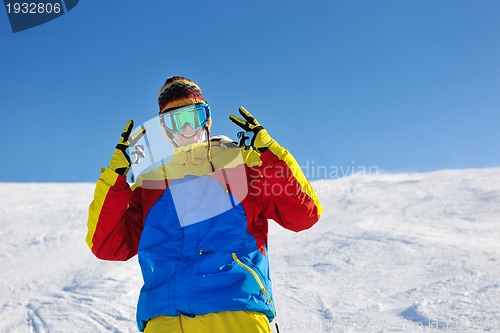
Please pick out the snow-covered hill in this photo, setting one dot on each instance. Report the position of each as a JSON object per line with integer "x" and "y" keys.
{"x": 392, "y": 253}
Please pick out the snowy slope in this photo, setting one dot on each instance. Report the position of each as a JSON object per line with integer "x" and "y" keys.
{"x": 392, "y": 253}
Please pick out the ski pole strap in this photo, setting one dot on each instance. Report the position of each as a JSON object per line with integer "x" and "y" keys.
{"x": 274, "y": 326}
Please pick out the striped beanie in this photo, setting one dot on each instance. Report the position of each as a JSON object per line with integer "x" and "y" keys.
{"x": 179, "y": 91}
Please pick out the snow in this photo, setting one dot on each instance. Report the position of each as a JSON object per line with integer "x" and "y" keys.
{"x": 391, "y": 253}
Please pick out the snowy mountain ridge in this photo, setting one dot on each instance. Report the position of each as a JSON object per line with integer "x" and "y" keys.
{"x": 392, "y": 253}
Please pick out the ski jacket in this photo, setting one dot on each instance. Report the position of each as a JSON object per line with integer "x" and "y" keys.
{"x": 200, "y": 226}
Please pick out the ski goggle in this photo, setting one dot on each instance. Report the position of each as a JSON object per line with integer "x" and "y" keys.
{"x": 196, "y": 116}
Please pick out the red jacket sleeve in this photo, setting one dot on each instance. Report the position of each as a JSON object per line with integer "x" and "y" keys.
{"x": 287, "y": 196}
{"x": 115, "y": 218}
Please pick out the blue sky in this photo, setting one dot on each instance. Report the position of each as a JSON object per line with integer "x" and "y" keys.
{"x": 409, "y": 85}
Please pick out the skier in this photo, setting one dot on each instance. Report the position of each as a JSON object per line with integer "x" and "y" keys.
{"x": 199, "y": 222}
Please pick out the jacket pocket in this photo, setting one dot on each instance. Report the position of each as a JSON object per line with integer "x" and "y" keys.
{"x": 257, "y": 278}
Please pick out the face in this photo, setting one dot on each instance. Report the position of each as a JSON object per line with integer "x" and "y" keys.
{"x": 186, "y": 124}
{"x": 189, "y": 135}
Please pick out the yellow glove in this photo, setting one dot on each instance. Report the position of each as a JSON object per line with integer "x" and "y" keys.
{"x": 120, "y": 162}
{"x": 255, "y": 133}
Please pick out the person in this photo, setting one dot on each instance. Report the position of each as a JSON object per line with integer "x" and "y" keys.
{"x": 199, "y": 221}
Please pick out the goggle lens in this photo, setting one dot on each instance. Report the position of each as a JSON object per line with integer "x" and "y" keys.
{"x": 195, "y": 116}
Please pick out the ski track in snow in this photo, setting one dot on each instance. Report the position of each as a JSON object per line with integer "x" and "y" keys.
{"x": 392, "y": 253}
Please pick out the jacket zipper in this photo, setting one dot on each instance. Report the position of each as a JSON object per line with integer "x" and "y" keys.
{"x": 257, "y": 278}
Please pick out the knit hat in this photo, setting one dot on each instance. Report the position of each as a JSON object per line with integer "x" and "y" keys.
{"x": 179, "y": 91}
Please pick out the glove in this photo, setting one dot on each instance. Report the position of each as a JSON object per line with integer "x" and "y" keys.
{"x": 120, "y": 162}
{"x": 255, "y": 133}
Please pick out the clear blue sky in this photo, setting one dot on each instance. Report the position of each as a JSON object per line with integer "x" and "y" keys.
{"x": 403, "y": 85}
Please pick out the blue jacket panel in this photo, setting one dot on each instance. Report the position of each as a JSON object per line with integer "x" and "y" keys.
{"x": 197, "y": 256}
